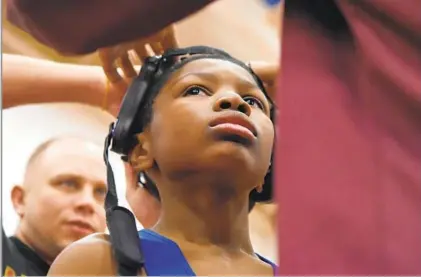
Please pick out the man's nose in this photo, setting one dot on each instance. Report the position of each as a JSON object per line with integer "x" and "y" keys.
{"x": 86, "y": 200}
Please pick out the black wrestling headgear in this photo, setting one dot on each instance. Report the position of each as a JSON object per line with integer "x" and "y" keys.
{"x": 121, "y": 140}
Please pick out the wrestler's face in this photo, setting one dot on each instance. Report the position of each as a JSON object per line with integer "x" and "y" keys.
{"x": 210, "y": 116}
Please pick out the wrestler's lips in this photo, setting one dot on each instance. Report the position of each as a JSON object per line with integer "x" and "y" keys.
{"x": 234, "y": 127}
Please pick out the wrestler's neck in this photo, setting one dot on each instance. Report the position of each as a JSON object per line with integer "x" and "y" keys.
{"x": 207, "y": 217}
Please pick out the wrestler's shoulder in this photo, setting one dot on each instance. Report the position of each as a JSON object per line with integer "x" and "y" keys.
{"x": 91, "y": 255}
{"x": 99, "y": 238}
{"x": 94, "y": 242}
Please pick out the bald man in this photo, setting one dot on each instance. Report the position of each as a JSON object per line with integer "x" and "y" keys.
{"x": 60, "y": 201}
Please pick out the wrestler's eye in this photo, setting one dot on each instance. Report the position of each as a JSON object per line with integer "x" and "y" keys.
{"x": 254, "y": 102}
{"x": 195, "y": 90}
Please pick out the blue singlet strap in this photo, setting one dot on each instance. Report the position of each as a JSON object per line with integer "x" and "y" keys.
{"x": 162, "y": 256}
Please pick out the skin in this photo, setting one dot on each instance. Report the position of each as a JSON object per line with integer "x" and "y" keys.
{"x": 245, "y": 29}
{"x": 262, "y": 224}
{"x": 263, "y": 230}
{"x": 200, "y": 174}
{"x": 45, "y": 81}
{"x": 144, "y": 205}
{"x": 63, "y": 187}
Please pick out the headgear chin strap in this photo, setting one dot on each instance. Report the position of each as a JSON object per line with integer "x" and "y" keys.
{"x": 120, "y": 221}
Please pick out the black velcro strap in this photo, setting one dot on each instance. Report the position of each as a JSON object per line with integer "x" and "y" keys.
{"x": 121, "y": 225}
{"x": 111, "y": 199}
{"x": 125, "y": 241}
{"x": 193, "y": 50}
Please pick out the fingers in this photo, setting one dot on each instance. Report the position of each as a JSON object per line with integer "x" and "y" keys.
{"x": 149, "y": 50}
{"x": 142, "y": 52}
{"x": 163, "y": 41}
{"x": 169, "y": 39}
{"x": 127, "y": 66}
{"x": 120, "y": 55}
{"x": 109, "y": 67}
{"x": 157, "y": 48}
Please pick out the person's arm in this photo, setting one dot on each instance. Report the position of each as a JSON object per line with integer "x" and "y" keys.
{"x": 375, "y": 24}
{"x": 83, "y": 26}
{"x": 347, "y": 65}
{"x": 32, "y": 81}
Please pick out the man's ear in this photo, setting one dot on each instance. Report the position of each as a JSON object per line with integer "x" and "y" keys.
{"x": 18, "y": 200}
{"x": 141, "y": 158}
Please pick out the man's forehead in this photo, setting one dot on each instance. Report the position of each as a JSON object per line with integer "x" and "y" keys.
{"x": 72, "y": 147}
{"x": 68, "y": 155}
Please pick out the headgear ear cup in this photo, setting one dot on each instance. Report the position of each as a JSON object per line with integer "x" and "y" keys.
{"x": 133, "y": 100}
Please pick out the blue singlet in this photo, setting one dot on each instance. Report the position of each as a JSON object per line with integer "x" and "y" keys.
{"x": 163, "y": 257}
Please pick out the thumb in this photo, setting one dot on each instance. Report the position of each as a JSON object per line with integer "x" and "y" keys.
{"x": 115, "y": 97}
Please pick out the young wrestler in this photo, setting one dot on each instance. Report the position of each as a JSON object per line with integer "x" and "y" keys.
{"x": 205, "y": 139}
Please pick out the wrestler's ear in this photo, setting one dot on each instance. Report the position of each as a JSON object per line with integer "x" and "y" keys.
{"x": 141, "y": 158}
